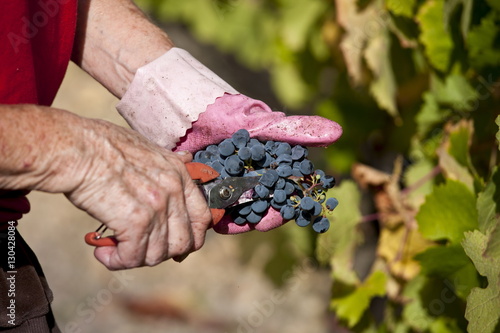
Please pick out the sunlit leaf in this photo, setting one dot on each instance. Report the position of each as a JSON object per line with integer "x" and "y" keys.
{"x": 351, "y": 307}
{"x": 454, "y": 91}
{"x": 488, "y": 203}
{"x": 448, "y": 212}
{"x": 402, "y": 8}
{"x": 413, "y": 176}
{"x": 483, "y": 304}
{"x": 430, "y": 114}
{"x": 437, "y": 41}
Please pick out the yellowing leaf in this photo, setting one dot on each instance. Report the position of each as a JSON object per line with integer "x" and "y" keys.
{"x": 351, "y": 307}
{"x": 438, "y": 43}
{"x": 448, "y": 212}
{"x": 383, "y": 87}
{"x": 454, "y": 170}
{"x": 398, "y": 247}
{"x": 359, "y": 27}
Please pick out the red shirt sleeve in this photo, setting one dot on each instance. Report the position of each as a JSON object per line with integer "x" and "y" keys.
{"x": 36, "y": 40}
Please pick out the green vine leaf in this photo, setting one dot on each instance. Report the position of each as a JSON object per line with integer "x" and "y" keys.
{"x": 337, "y": 248}
{"x": 483, "y": 304}
{"x": 401, "y": 8}
{"x": 488, "y": 206}
{"x": 454, "y": 91}
{"x": 430, "y": 114}
{"x": 448, "y": 212}
{"x": 437, "y": 41}
{"x": 481, "y": 42}
{"x": 351, "y": 307}
{"x": 497, "y": 121}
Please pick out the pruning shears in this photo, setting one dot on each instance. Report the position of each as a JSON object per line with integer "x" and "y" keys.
{"x": 220, "y": 195}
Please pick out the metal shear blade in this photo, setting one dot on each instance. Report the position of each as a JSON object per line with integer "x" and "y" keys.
{"x": 230, "y": 191}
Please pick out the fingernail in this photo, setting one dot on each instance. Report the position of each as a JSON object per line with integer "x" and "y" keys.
{"x": 182, "y": 152}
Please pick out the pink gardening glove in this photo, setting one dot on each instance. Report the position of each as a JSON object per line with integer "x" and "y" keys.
{"x": 179, "y": 104}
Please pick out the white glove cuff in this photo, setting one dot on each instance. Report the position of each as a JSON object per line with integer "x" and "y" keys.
{"x": 167, "y": 95}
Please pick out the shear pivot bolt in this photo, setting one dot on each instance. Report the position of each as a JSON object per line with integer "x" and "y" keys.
{"x": 225, "y": 193}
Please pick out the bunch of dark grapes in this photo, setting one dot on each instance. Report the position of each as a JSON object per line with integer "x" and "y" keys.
{"x": 288, "y": 181}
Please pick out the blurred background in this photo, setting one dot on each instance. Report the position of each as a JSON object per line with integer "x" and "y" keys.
{"x": 414, "y": 85}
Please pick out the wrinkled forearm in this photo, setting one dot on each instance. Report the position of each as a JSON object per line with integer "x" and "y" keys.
{"x": 114, "y": 38}
{"x": 38, "y": 145}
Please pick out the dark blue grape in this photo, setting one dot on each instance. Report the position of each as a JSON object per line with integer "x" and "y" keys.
{"x": 331, "y": 203}
{"x": 244, "y": 153}
{"x": 306, "y": 167}
{"x": 289, "y": 187}
{"x": 260, "y": 206}
{"x": 266, "y": 161}
{"x": 287, "y": 212}
{"x": 303, "y": 219}
{"x": 241, "y": 138}
{"x": 234, "y": 166}
{"x": 226, "y": 147}
{"x": 284, "y": 159}
{"x": 298, "y": 152}
{"x": 296, "y": 173}
{"x": 258, "y": 152}
{"x": 317, "y": 210}
{"x": 277, "y": 205}
{"x": 239, "y": 220}
{"x": 307, "y": 203}
{"x": 328, "y": 181}
{"x": 245, "y": 210}
{"x": 269, "y": 178}
{"x": 261, "y": 190}
{"x": 253, "y": 217}
{"x": 216, "y": 165}
{"x": 279, "y": 196}
{"x": 213, "y": 149}
{"x": 270, "y": 146}
{"x": 253, "y": 142}
{"x": 283, "y": 148}
{"x": 321, "y": 225}
{"x": 280, "y": 184}
{"x": 320, "y": 173}
{"x": 284, "y": 170}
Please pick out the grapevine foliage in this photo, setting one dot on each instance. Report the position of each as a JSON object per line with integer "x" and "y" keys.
{"x": 415, "y": 85}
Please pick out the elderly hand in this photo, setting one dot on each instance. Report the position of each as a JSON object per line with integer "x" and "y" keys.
{"x": 137, "y": 189}
{"x": 145, "y": 194}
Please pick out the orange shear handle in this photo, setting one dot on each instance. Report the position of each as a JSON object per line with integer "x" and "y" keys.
{"x": 199, "y": 172}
